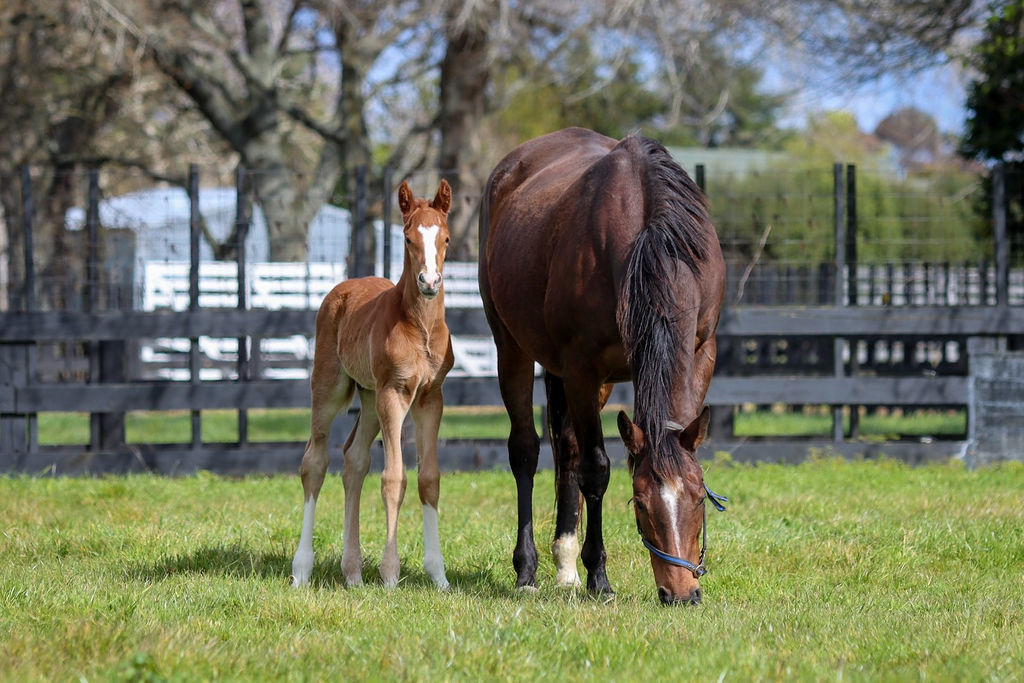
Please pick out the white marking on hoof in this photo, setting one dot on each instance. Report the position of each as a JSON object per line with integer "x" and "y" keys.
{"x": 302, "y": 563}
{"x": 565, "y": 550}
{"x": 526, "y": 589}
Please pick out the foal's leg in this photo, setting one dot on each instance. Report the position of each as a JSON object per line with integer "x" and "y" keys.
{"x": 515, "y": 378}
{"x": 353, "y": 473}
{"x": 565, "y": 548}
{"x": 583, "y": 400}
{"x": 426, "y": 414}
{"x": 392, "y": 406}
{"x": 332, "y": 391}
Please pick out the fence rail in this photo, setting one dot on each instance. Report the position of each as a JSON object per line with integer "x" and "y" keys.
{"x": 799, "y": 335}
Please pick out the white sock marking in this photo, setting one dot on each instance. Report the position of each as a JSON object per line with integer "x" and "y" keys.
{"x": 302, "y": 564}
{"x": 433, "y": 562}
{"x": 565, "y": 550}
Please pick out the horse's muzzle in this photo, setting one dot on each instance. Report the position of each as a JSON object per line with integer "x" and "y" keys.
{"x": 668, "y": 599}
{"x": 429, "y": 286}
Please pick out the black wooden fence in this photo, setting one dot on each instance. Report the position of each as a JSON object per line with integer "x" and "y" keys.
{"x": 833, "y": 333}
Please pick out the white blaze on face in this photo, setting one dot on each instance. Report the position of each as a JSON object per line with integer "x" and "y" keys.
{"x": 670, "y": 496}
{"x": 429, "y": 233}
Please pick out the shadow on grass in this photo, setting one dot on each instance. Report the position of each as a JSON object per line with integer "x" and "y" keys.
{"x": 240, "y": 562}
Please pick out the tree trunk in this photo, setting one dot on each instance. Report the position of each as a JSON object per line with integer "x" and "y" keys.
{"x": 465, "y": 73}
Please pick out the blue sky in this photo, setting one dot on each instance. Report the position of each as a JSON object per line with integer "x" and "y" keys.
{"x": 940, "y": 92}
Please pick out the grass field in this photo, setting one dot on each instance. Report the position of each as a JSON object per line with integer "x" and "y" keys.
{"x": 474, "y": 423}
{"x": 826, "y": 570}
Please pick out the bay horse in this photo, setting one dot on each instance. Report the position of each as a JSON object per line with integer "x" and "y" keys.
{"x": 598, "y": 260}
{"x": 390, "y": 343}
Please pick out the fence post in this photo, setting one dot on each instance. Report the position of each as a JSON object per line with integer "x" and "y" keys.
{"x": 364, "y": 258}
{"x": 999, "y": 228}
{"x": 193, "y": 293}
{"x": 386, "y": 218}
{"x": 852, "y": 280}
{"x": 242, "y": 225}
{"x": 839, "y": 300}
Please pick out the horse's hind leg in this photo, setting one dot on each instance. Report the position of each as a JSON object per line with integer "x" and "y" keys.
{"x": 515, "y": 378}
{"x": 565, "y": 549}
{"x": 331, "y": 392}
{"x": 353, "y": 473}
{"x": 426, "y": 414}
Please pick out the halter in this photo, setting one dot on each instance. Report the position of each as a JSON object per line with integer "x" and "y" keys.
{"x": 698, "y": 569}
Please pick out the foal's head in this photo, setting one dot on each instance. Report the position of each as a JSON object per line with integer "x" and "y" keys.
{"x": 426, "y": 236}
{"x": 668, "y": 500}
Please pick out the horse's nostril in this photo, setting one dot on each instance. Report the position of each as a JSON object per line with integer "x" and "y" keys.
{"x": 668, "y": 599}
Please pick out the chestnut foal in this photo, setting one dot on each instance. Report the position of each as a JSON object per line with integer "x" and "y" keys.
{"x": 391, "y": 343}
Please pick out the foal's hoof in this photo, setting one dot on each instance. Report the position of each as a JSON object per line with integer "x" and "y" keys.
{"x": 442, "y": 584}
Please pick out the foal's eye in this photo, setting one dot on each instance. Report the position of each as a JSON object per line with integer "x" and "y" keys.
{"x": 446, "y": 240}
{"x": 408, "y": 241}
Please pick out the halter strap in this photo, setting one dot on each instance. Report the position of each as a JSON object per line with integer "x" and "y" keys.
{"x": 698, "y": 569}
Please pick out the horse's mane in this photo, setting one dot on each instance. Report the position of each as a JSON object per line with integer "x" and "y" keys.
{"x": 676, "y": 234}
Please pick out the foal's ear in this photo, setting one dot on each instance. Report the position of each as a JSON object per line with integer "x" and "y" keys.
{"x": 405, "y": 199}
{"x": 443, "y": 199}
{"x": 632, "y": 436}
{"x": 692, "y": 436}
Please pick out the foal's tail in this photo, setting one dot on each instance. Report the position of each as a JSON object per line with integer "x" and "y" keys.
{"x": 677, "y": 233}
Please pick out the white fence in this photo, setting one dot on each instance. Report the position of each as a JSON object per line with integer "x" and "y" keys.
{"x": 276, "y": 286}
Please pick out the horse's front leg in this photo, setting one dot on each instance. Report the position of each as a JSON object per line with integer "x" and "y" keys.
{"x": 565, "y": 548}
{"x": 392, "y": 406}
{"x": 353, "y": 473}
{"x": 426, "y": 414}
{"x": 583, "y": 401}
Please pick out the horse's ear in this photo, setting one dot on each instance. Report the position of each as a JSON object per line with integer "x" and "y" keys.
{"x": 405, "y": 199}
{"x": 692, "y": 436}
{"x": 632, "y": 436}
{"x": 443, "y": 199}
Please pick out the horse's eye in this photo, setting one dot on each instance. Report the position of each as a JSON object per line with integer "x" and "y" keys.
{"x": 639, "y": 506}
{"x": 408, "y": 241}
{"x": 446, "y": 240}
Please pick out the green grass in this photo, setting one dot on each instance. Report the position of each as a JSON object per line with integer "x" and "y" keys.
{"x": 826, "y": 570}
{"x": 476, "y": 423}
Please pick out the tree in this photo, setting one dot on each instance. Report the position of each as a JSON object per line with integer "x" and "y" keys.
{"x": 995, "y": 103}
{"x": 913, "y": 132}
{"x": 995, "y": 100}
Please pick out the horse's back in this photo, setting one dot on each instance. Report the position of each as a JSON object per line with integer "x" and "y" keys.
{"x": 562, "y": 212}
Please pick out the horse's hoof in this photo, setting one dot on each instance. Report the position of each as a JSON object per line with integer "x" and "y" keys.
{"x": 353, "y": 581}
{"x": 526, "y": 589}
{"x": 443, "y": 584}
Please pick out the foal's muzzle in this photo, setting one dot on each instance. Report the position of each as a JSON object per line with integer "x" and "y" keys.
{"x": 429, "y": 285}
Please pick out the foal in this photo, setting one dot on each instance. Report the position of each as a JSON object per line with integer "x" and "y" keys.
{"x": 391, "y": 343}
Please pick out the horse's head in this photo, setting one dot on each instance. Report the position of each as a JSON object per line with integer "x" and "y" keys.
{"x": 668, "y": 500}
{"x": 426, "y": 236}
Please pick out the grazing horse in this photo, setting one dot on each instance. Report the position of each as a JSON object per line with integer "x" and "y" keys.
{"x": 389, "y": 342}
{"x": 598, "y": 260}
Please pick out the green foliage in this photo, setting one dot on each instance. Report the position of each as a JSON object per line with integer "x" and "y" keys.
{"x": 995, "y": 101}
{"x": 830, "y": 569}
{"x": 615, "y": 98}
{"x": 920, "y": 215}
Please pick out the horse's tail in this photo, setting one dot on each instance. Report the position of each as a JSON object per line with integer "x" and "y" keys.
{"x": 676, "y": 233}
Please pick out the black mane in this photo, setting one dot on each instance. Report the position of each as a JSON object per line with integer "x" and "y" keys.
{"x": 676, "y": 235}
